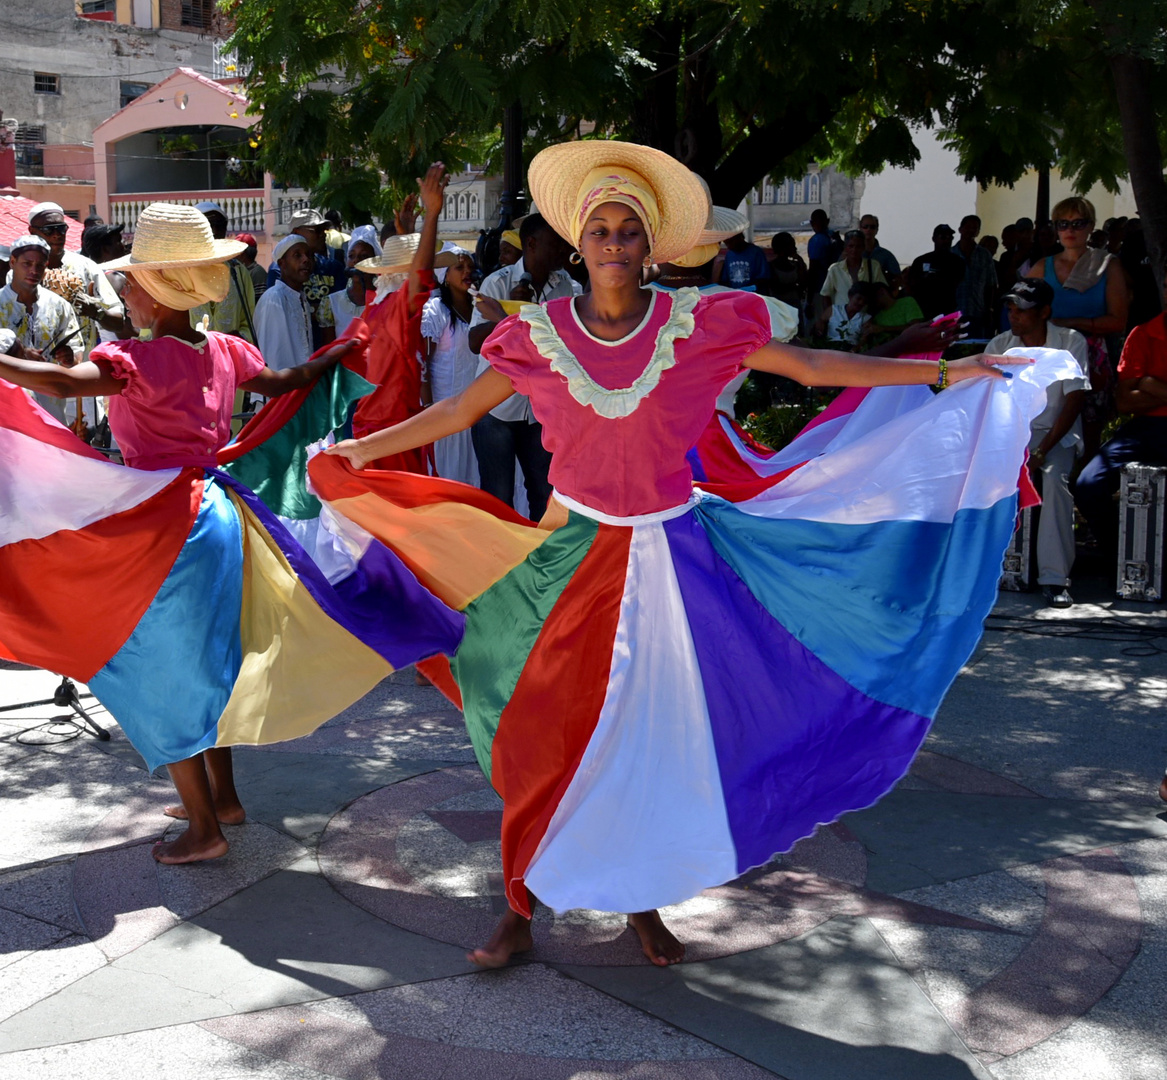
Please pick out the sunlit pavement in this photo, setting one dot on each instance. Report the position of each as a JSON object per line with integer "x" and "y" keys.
{"x": 1002, "y": 913}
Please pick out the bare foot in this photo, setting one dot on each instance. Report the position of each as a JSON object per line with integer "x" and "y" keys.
{"x": 656, "y": 939}
{"x": 510, "y": 937}
{"x": 421, "y": 680}
{"x": 228, "y": 815}
{"x": 1163, "y": 789}
{"x": 187, "y": 850}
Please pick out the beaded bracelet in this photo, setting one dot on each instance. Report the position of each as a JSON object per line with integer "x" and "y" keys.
{"x": 942, "y": 381}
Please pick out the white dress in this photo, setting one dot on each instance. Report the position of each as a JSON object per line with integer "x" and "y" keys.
{"x": 451, "y": 369}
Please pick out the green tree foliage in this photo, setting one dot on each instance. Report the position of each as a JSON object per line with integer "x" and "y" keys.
{"x": 737, "y": 90}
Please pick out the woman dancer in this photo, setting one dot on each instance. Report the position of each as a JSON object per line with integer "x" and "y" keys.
{"x": 187, "y": 674}
{"x": 664, "y": 690}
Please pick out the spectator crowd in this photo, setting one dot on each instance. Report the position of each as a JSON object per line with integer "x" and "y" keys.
{"x": 1069, "y": 283}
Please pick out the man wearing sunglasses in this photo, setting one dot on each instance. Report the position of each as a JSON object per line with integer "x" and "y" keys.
{"x": 77, "y": 280}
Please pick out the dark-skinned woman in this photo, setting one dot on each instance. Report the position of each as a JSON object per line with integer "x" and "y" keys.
{"x": 668, "y": 689}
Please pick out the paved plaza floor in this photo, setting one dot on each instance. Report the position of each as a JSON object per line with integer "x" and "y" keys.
{"x": 1002, "y": 913}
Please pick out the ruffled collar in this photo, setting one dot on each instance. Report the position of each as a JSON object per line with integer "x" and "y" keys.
{"x": 621, "y": 402}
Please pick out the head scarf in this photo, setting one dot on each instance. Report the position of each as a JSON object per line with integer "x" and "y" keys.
{"x": 511, "y": 236}
{"x": 184, "y": 287}
{"x": 619, "y": 184}
{"x": 366, "y": 234}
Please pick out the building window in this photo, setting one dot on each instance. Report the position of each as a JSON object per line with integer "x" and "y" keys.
{"x": 30, "y": 157}
{"x": 197, "y": 13}
{"x": 784, "y": 192}
{"x": 131, "y": 91}
{"x": 97, "y": 7}
{"x": 813, "y": 188}
{"x": 43, "y": 83}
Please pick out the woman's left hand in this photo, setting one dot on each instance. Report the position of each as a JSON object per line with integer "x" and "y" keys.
{"x": 982, "y": 366}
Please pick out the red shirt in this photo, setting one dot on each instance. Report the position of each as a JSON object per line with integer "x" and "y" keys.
{"x": 1145, "y": 353}
{"x": 393, "y": 365}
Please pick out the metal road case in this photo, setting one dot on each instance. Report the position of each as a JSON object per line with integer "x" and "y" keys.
{"x": 1143, "y": 499}
{"x": 1018, "y": 569}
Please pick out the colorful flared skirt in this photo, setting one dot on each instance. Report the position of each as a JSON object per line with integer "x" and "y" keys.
{"x": 184, "y": 602}
{"x": 664, "y": 702}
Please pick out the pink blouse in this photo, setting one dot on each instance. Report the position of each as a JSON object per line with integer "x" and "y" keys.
{"x": 175, "y": 408}
{"x": 667, "y": 375}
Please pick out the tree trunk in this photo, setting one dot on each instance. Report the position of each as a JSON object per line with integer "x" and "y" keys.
{"x": 1144, "y": 157}
{"x": 654, "y": 113}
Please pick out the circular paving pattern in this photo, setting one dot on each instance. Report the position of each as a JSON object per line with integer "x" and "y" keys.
{"x": 424, "y": 855}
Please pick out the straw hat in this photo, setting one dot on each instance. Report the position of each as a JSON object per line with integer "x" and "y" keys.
{"x": 397, "y": 256}
{"x": 558, "y": 172}
{"x": 722, "y": 222}
{"x": 169, "y": 235}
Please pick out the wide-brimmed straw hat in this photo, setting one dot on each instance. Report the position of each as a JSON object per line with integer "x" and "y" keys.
{"x": 397, "y": 256}
{"x": 722, "y": 222}
{"x": 170, "y": 235}
{"x": 557, "y": 173}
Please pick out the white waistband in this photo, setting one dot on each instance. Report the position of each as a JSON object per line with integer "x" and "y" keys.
{"x": 636, "y": 519}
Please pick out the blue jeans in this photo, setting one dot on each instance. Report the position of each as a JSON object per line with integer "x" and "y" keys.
{"x": 1143, "y": 439}
{"x": 497, "y": 443}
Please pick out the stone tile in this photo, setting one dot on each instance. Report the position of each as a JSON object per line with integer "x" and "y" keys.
{"x": 186, "y": 1052}
{"x": 915, "y": 838}
{"x": 119, "y": 897}
{"x": 20, "y": 936}
{"x": 830, "y": 1004}
{"x": 42, "y": 975}
{"x": 1089, "y": 933}
{"x": 256, "y": 851}
{"x": 1058, "y": 693}
{"x": 299, "y": 792}
{"x": 290, "y": 938}
{"x": 43, "y": 892}
{"x": 527, "y": 1022}
{"x": 50, "y": 802}
{"x": 1124, "y": 1036}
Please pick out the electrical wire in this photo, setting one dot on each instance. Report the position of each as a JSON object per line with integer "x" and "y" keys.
{"x": 1141, "y": 641}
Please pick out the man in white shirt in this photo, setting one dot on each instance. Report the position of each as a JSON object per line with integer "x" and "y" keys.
{"x": 283, "y": 318}
{"x": 42, "y": 324}
{"x": 1056, "y": 435}
{"x": 509, "y": 432}
{"x": 77, "y": 280}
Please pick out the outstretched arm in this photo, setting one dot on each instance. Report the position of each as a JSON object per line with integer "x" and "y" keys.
{"x": 84, "y": 380}
{"x": 272, "y": 383}
{"x": 445, "y": 418}
{"x": 823, "y": 367}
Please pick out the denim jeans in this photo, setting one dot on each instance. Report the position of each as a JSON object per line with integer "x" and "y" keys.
{"x": 497, "y": 443}
{"x": 1143, "y": 439}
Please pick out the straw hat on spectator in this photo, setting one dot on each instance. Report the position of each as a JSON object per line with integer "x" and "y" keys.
{"x": 397, "y": 256}
{"x": 170, "y": 235}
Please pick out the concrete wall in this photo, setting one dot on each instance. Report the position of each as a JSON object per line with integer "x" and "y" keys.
{"x": 910, "y": 203}
{"x": 74, "y": 197}
{"x": 91, "y": 58}
{"x": 1001, "y": 206}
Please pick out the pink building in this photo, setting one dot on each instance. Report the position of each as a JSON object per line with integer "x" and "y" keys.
{"x": 187, "y": 139}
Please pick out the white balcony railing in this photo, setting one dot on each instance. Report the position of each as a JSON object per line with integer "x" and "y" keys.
{"x": 244, "y": 208}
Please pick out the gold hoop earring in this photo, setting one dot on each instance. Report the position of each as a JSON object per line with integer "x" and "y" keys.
{"x": 575, "y": 258}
